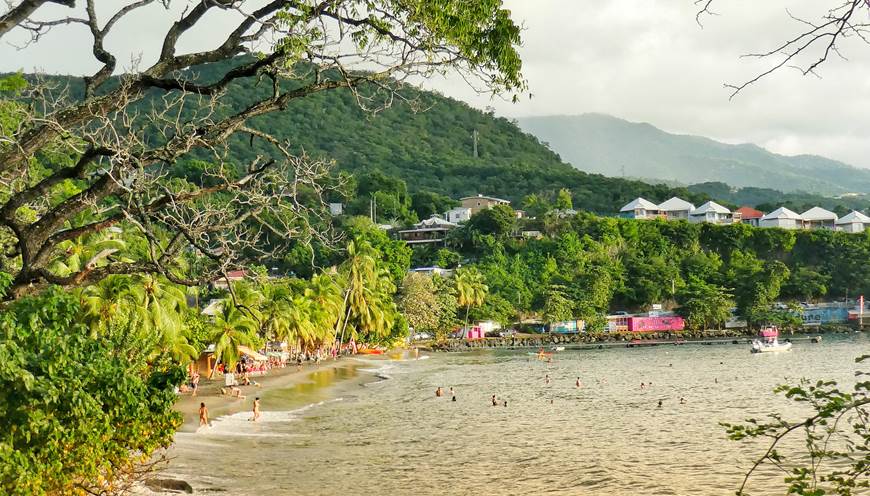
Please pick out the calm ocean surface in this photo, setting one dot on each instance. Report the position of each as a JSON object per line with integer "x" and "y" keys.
{"x": 350, "y": 433}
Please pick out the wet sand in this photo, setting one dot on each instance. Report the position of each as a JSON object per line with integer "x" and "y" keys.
{"x": 219, "y": 405}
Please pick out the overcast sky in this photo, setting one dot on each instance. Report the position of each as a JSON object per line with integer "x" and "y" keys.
{"x": 642, "y": 60}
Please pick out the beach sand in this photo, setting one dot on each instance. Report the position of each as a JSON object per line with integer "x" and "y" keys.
{"x": 219, "y": 405}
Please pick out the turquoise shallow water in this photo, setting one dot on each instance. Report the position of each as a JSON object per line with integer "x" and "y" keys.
{"x": 364, "y": 436}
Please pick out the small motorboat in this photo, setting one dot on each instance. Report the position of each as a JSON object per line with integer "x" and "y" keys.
{"x": 768, "y": 341}
{"x": 370, "y": 351}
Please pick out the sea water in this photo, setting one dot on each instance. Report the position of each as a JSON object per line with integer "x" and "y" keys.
{"x": 376, "y": 427}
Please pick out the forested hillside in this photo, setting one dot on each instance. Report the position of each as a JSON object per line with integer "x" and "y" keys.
{"x": 427, "y": 141}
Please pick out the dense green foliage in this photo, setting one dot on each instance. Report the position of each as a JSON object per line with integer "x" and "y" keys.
{"x": 77, "y": 408}
{"x": 594, "y": 265}
{"x": 612, "y": 146}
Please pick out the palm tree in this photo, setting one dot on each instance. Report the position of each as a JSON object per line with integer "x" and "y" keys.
{"x": 326, "y": 295}
{"x": 274, "y": 310}
{"x": 301, "y": 326}
{"x": 78, "y": 254}
{"x": 104, "y": 301}
{"x": 369, "y": 305}
{"x": 232, "y": 328}
{"x": 471, "y": 288}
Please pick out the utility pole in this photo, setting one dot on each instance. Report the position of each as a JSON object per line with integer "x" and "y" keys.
{"x": 622, "y": 168}
{"x": 474, "y": 137}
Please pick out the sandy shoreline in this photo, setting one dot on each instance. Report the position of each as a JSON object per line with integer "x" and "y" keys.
{"x": 219, "y": 405}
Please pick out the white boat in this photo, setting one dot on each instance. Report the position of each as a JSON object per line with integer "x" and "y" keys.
{"x": 768, "y": 341}
{"x": 558, "y": 348}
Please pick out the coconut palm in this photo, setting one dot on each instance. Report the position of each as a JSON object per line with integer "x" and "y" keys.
{"x": 471, "y": 289}
{"x": 274, "y": 309}
{"x": 80, "y": 253}
{"x": 302, "y": 327}
{"x": 326, "y": 295}
{"x": 105, "y": 301}
{"x": 370, "y": 307}
{"x": 232, "y": 328}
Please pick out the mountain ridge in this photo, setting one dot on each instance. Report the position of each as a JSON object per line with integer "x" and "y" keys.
{"x": 595, "y": 142}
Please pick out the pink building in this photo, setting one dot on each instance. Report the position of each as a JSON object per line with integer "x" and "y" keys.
{"x": 653, "y": 324}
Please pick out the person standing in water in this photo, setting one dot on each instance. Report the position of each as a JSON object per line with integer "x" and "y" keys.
{"x": 203, "y": 414}
{"x": 660, "y": 403}
{"x": 547, "y": 379}
{"x": 494, "y": 401}
{"x": 256, "y": 409}
{"x": 578, "y": 383}
{"x": 439, "y": 392}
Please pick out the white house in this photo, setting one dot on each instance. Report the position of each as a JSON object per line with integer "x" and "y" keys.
{"x": 640, "y": 208}
{"x": 676, "y": 208}
{"x": 782, "y": 217}
{"x": 711, "y": 212}
{"x": 336, "y": 209}
{"x": 819, "y": 218}
{"x": 853, "y": 222}
{"x": 431, "y": 230}
{"x": 458, "y": 214}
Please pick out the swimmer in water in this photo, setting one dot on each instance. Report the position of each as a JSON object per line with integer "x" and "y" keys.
{"x": 494, "y": 401}
{"x": 682, "y": 401}
{"x": 454, "y": 398}
{"x": 578, "y": 383}
{"x": 505, "y": 404}
{"x": 439, "y": 392}
{"x": 660, "y": 403}
{"x": 642, "y": 385}
{"x": 547, "y": 379}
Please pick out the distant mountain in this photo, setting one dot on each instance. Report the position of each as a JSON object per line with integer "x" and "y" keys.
{"x": 615, "y": 147}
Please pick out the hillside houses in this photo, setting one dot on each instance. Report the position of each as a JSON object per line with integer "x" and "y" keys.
{"x": 853, "y": 222}
{"x": 783, "y": 218}
{"x": 819, "y": 218}
{"x": 711, "y": 212}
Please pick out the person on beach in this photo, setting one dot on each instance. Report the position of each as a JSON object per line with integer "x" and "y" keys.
{"x": 194, "y": 383}
{"x": 256, "y": 409}
{"x": 203, "y": 415}
{"x": 494, "y": 401}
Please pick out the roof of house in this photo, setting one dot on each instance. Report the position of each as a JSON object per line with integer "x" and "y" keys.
{"x": 819, "y": 213}
{"x": 434, "y": 222}
{"x": 639, "y": 203}
{"x": 710, "y": 206}
{"x": 675, "y": 204}
{"x": 854, "y": 216}
{"x": 484, "y": 197}
{"x": 782, "y": 213}
{"x": 459, "y": 209}
{"x": 749, "y": 213}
